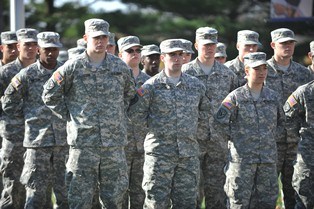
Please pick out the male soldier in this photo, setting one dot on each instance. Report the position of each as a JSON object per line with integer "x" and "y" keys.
{"x": 250, "y": 117}
{"x": 12, "y": 129}
{"x": 45, "y": 135}
{"x": 111, "y": 47}
{"x": 92, "y": 92}
{"x": 300, "y": 124}
{"x": 311, "y": 57}
{"x": 221, "y": 55}
{"x": 150, "y": 59}
{"x": 8, "y": 47}
{"x": 188, "y": 51}
{"x": 285, "y": 76}
{"x": 247, "y": 42}
{"x": 130, "y": 53}
{"x": 169, "y": 104}
{"x": 219, "y": 81}
{"x": 75, "y": 51}
{"x": 81, "y": 43}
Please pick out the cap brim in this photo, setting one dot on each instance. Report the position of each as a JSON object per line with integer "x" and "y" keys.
{"x": 250, "y": 42}
{"x": 150, "y": 53}
{"x": 188, "y": 51}
{"x": 207, "y": 42}
{"x": 257, "y": 63}
{"x": 97, "y": 33}
{"x": 50, "y": 45}
{"x": 220, "y": 55}
{"x": 25, "y": 40}
{"x": 9, "y": 42}
{"x": 172, "y": 50}
{"x": 130, "y": 46}
{"x": 281, "y": 40}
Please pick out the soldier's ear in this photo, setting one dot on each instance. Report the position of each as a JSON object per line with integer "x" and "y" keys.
{"x": 196, "y": 45}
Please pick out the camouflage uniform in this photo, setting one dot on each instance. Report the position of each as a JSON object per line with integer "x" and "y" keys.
{"x": 93, "y": 101}
{"x": 12, "y": 151}
{"x": 252, "y": 129}
{"x": 300, "y": 126}
{"x": 171, "y": 168}
{"x": 135, "y": 157}
{"x": 238, "y": 68}
{"x": 213, "y": 149}
{"x": 285, "y": 83}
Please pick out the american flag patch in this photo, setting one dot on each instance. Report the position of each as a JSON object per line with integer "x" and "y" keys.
{"x": 15, "y": 82}
{"x": 141, "y": 91}
{"x": 292, "y": 101}
{"x": 57, "y": 77}
{"x": 227, "y": 103}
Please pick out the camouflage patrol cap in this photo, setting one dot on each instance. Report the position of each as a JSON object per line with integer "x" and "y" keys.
{"x": 8, "y": 37}
{"x": 187, "y": 46}
{"x": 282, "y": 35}
{"x": 49, "y": 39}
{"x": 150, "y": 49}
{"x": 255, "y": 59}
{"x": 221, "y": 50}
{"x": 27, "y": 35}
{"x": 248, "y": 37}
{"x": 312, "y": 46}
{"x": 81, "y": 43}
{"x": 206, "y": 35}
{"x": 96, "y": 27}
{"x": 127, "y": 42}
{"x": 73, "y": 52}
{"x": 171, "y": 45}
{"x": 112, "y": 40}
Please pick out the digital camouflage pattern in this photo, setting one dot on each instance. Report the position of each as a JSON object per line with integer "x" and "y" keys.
{"x": 300, "y": 125}
{"x": 213, "y": 146}
{"x": 285, "y": 83}
{"x": 94, "y": 102}
{"x": 238, "y": 68}
{"x": 252, "y": 129}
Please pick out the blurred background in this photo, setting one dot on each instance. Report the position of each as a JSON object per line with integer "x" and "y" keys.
{"x": 155, "y": 20}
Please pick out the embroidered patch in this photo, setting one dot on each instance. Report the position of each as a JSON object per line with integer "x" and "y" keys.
{"x": 141, "y": 91}
{"x": 227, "y": 103}
{"x": 221, "y": 113}
{"x": 292, "y": 101}
{"x": 57, "y": 77}
{"x": 50, "y": 84}
{"x": 16, "y": 83}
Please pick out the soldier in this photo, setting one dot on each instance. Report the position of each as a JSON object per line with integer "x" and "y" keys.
{"x": 250, "y": 117}
{"x": 285, "y": 76}
{"x": 75, "y": 51}
{"x": 219, "y": 81}
{"x": 300, "y": 124}
{"x": 150, "y": 59}
{"x": 81, "y": 43}
{"x": 169, "y": 104}
{"x": 221, "y": 55}
{"x": 8, "y": 47}
{"x": 92, "y": 92}
{"x": 45, "y": 136}
{"x": 311, "y": 57}
{"x": 111, "y": 47}
{"x": 12, "y": 128}
{"x": 247, "y": 42}
{"x": 188, "y": 51}
{"x": 130, "y": 53}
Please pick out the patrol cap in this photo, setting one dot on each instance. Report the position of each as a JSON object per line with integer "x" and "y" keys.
{"x": 248, "y": 37}
{"x": 81, "y": 43}
{"x": 63, "y": 56}
{"x": 171, "y": 45}
{"x": 96, "y": 27}
{"x": 48, "y": 39}
{"x": 255, "y": 59}
{"x": 27, "y": 35}
{"x": 312, "y": 46}
{"x": 127, "y": 42}
{"x": 150, "y": 49}
{"x": 221, "y": 50}
{"x": 282, "y": 35}
{"x": 206, "y": 35}
{"x": 8, "y": 37}
{"x": 112, "y": 40}
{"x": 73, "y": 52}
{"x": 187, "y": 46}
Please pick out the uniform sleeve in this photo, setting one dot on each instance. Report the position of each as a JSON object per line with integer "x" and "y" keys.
{"x": 12, "y": 100}
{"x": 281, "y": 123}
{"x": 294, "y": 112}
{"x": 54, "y": 91}
{"x": 129, "y": 89}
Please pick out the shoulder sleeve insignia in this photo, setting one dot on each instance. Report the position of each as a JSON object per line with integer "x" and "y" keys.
{"x": 141, "y": 91}
{"x": 16, "y": 83}
{"x": 292, "y": 101}
{"x": 57, "y": 77}
{"x": 227, "y": 103}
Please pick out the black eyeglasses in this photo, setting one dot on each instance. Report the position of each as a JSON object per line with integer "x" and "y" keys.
{"x": 130, "y": 51}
